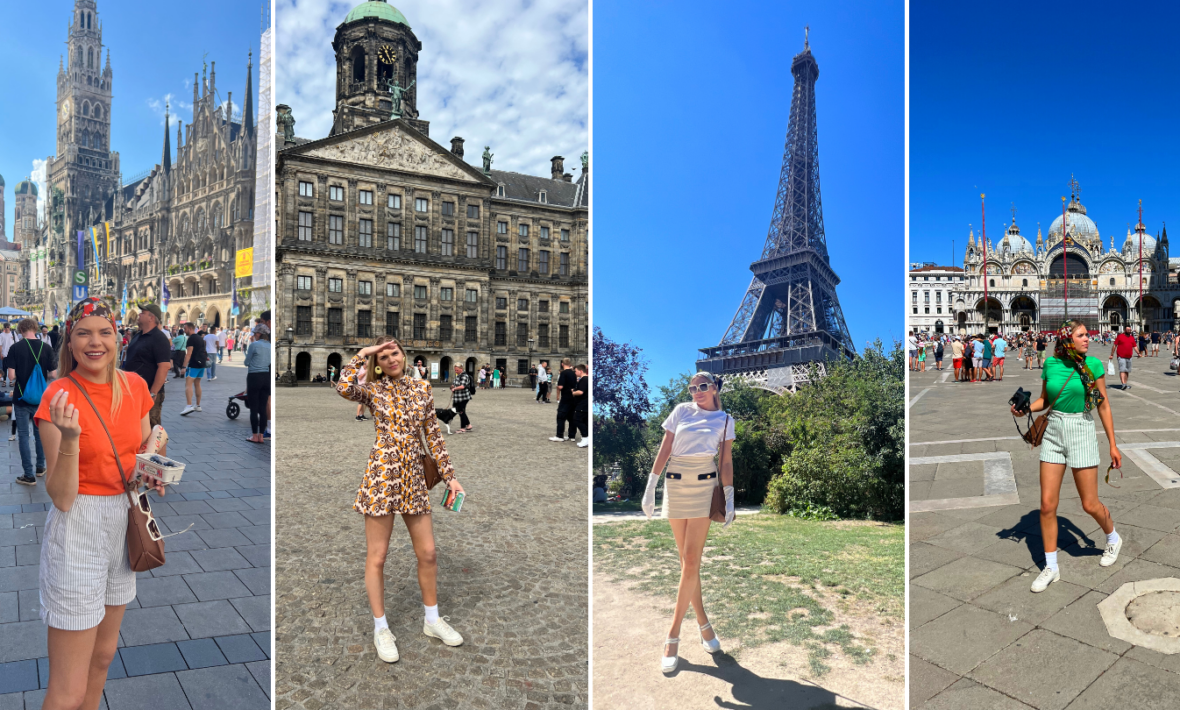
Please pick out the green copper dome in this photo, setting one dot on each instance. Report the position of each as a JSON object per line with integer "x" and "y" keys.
{"x": 26, "y": 187}
{"x": 1, "y": 181}
{"x": 379, "y": 9}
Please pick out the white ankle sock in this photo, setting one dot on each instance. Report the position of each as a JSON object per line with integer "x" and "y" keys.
{"x": 431, "y": 613}
{"x": 1051, "y": 560}
{"x": 1113, "y": 537}
{"x": 379, "y": 623}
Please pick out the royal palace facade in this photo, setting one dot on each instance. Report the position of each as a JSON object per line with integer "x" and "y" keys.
{"x": 382, "y": 231}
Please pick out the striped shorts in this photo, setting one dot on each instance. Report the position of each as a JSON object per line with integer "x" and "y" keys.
{"x": 84, "y": 565}
{"x": 1070, "y": 439}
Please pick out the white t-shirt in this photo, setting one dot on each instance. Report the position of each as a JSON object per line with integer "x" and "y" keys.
{"x": 912, "y": 342}
{"x": 222, "y": 336}
{"x": 6, "y": 342}
{"x": 697, "y": 431}
{"x": 541, "y": 376}
{"x": 210, "y": 343}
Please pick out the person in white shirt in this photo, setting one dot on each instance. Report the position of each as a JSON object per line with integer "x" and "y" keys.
{"x": 694, "y": 433}
{"x": 7, "y": 339}
{"x": 222, "y": 336}
{"x": 543, "y": 382}
{"x": 210, "y": 339}
{"x": 911, "y": 345}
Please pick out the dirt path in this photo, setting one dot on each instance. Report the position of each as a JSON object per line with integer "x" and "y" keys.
{"x": 629, "y": 626}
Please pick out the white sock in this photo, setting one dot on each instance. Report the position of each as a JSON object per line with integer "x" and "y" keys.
{"x": 431, "y": 613}
{"x": 1051, "y": 560}
{"x": 379, "y": 623}
{"x": 1113, "y": 537}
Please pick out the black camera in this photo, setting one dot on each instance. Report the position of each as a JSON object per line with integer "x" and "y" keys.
{"x": 1022, "y": 400}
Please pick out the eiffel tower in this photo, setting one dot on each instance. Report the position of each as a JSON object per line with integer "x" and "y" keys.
{"x": 790, "y": 316}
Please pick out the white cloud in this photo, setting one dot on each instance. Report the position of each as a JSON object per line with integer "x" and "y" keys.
{"x": 176, "y": 108}
{"x": 40, "y": 179}
{"x": 513, "y": 75}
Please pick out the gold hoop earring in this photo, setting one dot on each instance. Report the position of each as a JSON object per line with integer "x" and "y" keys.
{"x": 377, "y": 370}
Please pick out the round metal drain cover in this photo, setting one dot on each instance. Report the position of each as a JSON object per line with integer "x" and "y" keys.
{"x": 1156, "y": 613}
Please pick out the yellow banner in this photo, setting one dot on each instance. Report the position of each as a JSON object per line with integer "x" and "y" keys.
{"x": 245, "y": 263}
{"x": 108, "y": 226}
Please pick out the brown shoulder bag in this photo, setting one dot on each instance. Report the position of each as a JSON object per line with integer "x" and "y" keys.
{"x": 145, "y": 544}
{"x": 717, "y": 507}
{"x": 1036, "y": 431}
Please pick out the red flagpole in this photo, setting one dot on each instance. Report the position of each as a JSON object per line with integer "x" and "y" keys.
{"x": 984, "y": 239}
{"x": 1139, "y": 228}
{"x": 1065, "y": 256}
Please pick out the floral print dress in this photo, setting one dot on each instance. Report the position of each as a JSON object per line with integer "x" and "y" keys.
{"x": 394, "y": 481}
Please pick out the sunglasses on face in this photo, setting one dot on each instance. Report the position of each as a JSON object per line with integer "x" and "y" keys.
{"x": 700, "y": 388}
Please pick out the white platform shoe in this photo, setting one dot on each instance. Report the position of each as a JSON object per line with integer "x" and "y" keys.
{"x": 668, "y": 663}
{"x": 713, "y": 645}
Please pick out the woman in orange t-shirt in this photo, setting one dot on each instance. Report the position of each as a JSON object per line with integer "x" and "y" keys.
{"x": 85, "y": 576}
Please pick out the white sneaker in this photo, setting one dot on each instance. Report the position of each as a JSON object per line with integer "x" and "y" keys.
{"x": 668, "y": 663}
{"x": 557, "y": 438}
{"x": 12, "y": 437}
{"x": 583, "y": 443}
{"x": 442, "y": 631}
{"x": 198, "y": 407}
{"x": 188, "y": 410}
{"x": 1111, "y": 554}
{"x": 386, "y": 648}
{"x": 1048, "y": 576}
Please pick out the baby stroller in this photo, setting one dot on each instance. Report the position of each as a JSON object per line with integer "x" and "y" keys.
{"x": 232, "y": 410}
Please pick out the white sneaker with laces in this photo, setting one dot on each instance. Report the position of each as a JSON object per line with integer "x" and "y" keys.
{"x": 442, "y": 631}
{"x": 12, "y": 437}
{"x": 1111, "y": 554}
{"x": 583, "y": 443}
{"x": 557, "y": 438}
{"x": 189, "y": 409}
{"x": 1047, "y": 576}
{"x": 386, "y": 648}
{"x": 198, "y": 407}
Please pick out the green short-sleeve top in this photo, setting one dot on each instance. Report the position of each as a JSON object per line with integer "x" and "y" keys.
{"x": 1073, "y": 397}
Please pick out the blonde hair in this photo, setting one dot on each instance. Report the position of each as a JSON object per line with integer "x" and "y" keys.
{"x": 716, "y": 387}
{"x": 116, "y": 377}
{"x": 371, "y": 364}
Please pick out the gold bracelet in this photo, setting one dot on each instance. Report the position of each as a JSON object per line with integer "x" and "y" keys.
{"x": 65, "y": 454}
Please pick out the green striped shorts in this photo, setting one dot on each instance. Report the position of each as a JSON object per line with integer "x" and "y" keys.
{"x": 1070, "y": 439}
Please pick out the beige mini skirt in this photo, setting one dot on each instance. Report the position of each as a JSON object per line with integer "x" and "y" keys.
{"x": 688, "y": 487}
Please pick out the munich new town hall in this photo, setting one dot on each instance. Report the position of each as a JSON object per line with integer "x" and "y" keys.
{"x": 383, "y": 231}
{"x": 1030, "y": 286}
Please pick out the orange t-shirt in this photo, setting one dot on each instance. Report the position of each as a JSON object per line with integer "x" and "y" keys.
{"x": 97, "y": 473}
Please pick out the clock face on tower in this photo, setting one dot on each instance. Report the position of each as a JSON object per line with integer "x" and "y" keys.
{"x": 65, "y": 109}
{"x": 386, "y": 54}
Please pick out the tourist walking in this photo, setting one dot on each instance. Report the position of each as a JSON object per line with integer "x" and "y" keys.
{"x": 543, "y": 382}
{"x": 483, "y": 378}
{"x": 938, "y": 353}
{"x": 1124, "y": 349}
{"x": 179, "y": 343}
{"x": 149, "y": 355}
{"x": 461, "y": 392}
{"x": 582, "y": 405}
{"x": 258, "y": 382}
{"x": 7, "y": 340}
{"x": 1073, "y": 386}
{"x": 695, "y": 433}
{"x": 211, "y": 345}
{"x": 566, "y": 384}
{"x": 195, "y": 360}
{"x": 230, "y": 339}
{"x": 999, "y": 347}
{"x": 394, "y": 481}
{"x": 31, "y": 365}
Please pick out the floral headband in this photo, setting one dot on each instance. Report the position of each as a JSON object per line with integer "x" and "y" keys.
{"x": 92, "y": 306}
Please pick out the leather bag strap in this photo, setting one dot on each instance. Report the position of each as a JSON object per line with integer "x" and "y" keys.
{"x": 114, "y": 449}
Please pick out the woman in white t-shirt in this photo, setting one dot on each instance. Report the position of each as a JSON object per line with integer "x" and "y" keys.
{"x": 694, "y": 433}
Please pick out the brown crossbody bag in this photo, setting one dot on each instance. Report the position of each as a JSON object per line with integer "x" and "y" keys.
{"x": 145, "y": 550}
{"x": 717, "y": 507}
{"x": 1036, "y": 430}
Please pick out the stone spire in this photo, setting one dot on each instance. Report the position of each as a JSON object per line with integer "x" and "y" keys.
{"x": 167, "y": 142}
{"x": 248, "y": 111}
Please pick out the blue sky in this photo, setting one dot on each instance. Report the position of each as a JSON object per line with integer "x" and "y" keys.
{"x": 1010, "y": 99}
{"x": 155, "y": 48}
{"x": 691, "y": 102}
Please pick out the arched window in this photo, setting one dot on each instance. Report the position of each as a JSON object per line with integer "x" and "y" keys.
{"x": 1024, "y": 282}
{"x": 98, "y": 110}
{"x": 992, "y": 283}
{"x": 358, "y": 64}
{"x": 88, "y": 19}
{"x": 90, "y": 58}
{"x": 85, "y": 108}
{"x": 1112, "y": 281}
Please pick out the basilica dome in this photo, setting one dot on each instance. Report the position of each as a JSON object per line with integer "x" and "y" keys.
{"x": 1081, "y": 227}
{"x": 1131, "y": 246}
{"x": 1014, "y": 242}
{"x": 378, "y": 9}
{"x": 26, "y": 187}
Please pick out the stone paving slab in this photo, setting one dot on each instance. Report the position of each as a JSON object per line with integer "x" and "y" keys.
{"x": 512, "y": 566}
{"x": 979, "y": 638}
{"x": 227, "y": 559}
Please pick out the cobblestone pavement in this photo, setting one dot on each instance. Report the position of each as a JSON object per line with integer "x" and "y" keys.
{"x": 512, "y": 565}
{"x": 979, "y": 638}
{"x": 197, "y": 634}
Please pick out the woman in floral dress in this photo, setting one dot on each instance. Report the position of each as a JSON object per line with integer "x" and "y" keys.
{"x": 394, "y": 480}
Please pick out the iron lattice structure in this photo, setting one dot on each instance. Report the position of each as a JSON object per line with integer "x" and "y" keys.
{"x": 790, "y": 318}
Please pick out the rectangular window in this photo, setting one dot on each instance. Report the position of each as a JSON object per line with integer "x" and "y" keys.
{"x": 364, "y": 324}
{"x": 522, "y": 304}
{"x": 448, "y": 209}
{"x": 420, "y": 239}
{"x": 542, "y": 306}
{"x": 391, "y": 323}
{"x": 446, "y": 294}
{"x": 501, "y": 258}
{"x": 448, "y": 241}
{"x": 472, "y": 245}
{"x": 303, "y": 283}
{"x": 365, "y": 233}
{"x": 393, "y": 290}
{"x": 306, "y": 189}
{"x": 501, "y": 303}
{"x": 472, "y": 211}
{"x": 522, "y": 260}
{"x": 563, "y": 336}
{"x": 524, "y": 230}
{"x": 565, "y": 235}
{"x": 522, "y": 335}
{"x": 926, "y": 296}
{"x": 501, "y": 227}
{"x": 393, "y": 236}
{"x": 335, "y": 229}
{"x": 302, "y": 320}
{"x": 365, "y": 197}
{"x": 335, "y": 322}
{"x": 472, "y": 295}
{"x": 938, "y": 297}
{"x": 336, "y": 193}
{"x": 305, "y": 226}
{"x": 501, "y": 333}
{"x": 393, "y": 202}
{"x": 563, "y": 266}
{"x": 335, "y": 285}
{"x": 563, "y": 307}
{"x": 470, "y": 329}
{"x": 421, "y": 204}
{"x": 445, "y": 331}
{"x": 522, "y": 366}
{"x": 419, "y": 326}
{"x": 419, "y": 291}
{"x": 543, "y": 262}
{"x": 543, "y": 336}
{"x": 364, "y": 288}
{"x": 927, "y": 310}
{"x": 913, "y": 296}
{"x": 544, "y": 232}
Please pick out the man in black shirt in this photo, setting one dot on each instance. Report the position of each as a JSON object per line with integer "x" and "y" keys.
{"x": 566, "y": 382}
{"x": 582, "y": 405}
{"x": 23, "y": 357}
{"x": 149, "y": 355}
{"x": 195, "y": 359}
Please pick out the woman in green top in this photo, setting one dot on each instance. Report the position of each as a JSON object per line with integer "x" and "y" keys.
{"x": 495, "y": 379}
{"x": 1073, "y": 385}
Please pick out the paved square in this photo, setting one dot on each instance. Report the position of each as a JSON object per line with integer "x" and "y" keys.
{"x": 219, "y": 564}
{"x": 978, "y": 636}
{"x": 512, "y": 565}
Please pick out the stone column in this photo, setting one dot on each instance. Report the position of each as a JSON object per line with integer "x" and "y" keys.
{"x": 287, "y": 304}
{"x": 350, "y": 303}
{"x": 320, "y": 320}
{"x": 319, "y": 231}
{"x": 350, "y": 220}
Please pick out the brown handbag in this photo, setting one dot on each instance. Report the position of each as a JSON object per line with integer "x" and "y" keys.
{"x": 1036, "y": 431}
{"x": 429, "y": 467}
{"x": 717, "y": 507}
{"x": 143, "y": 551}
